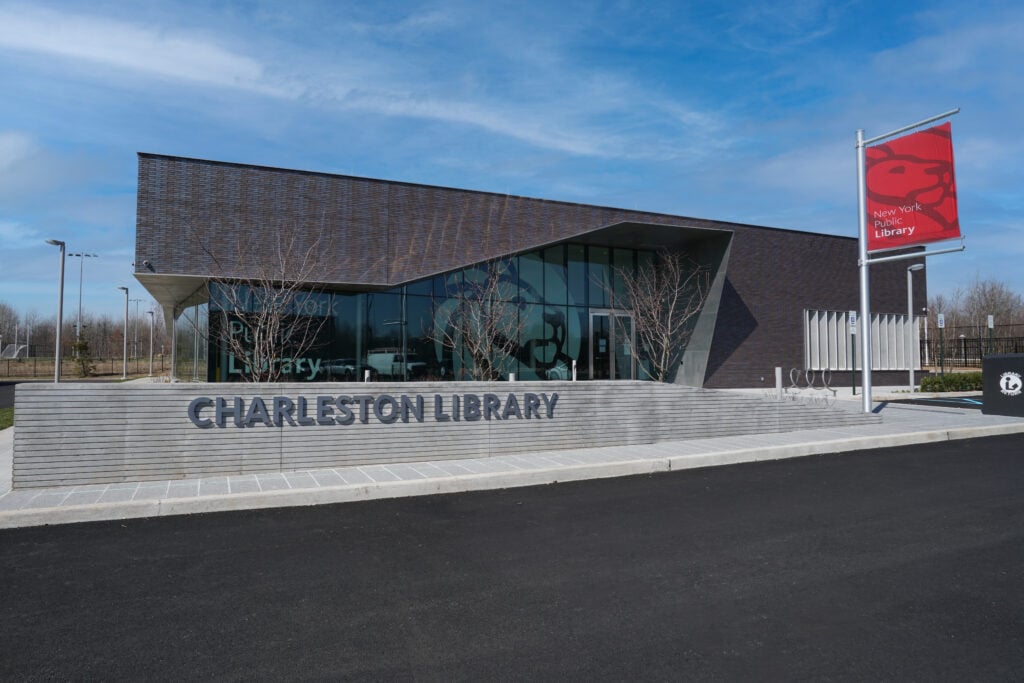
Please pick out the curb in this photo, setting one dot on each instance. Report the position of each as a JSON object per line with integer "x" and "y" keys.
{"x": 477, "y": 482}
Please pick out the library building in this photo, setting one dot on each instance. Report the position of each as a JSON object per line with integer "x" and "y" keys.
{"x": 374, "y": 277}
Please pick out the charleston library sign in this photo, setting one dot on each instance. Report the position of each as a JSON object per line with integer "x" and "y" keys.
{"x": 88, "y": 433}
{"x": 346, "y": 409}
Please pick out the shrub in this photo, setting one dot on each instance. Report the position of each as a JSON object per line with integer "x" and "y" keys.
{"x": 959, "y": 381}
{"x": 83, "y": 358}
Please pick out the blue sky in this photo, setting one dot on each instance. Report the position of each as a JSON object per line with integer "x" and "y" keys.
{"x": 739, "y": 111}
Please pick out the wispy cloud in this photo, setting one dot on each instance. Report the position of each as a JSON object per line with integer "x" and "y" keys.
{"x": 14, "y": 147}
{"x": 148, "y": 50}
{"x": 17, "y": 236}
{"x": 410, "y": 27}
{"x": 769, "y": 27}
{"x": 984, "y": 51}
{"x": 29, "y": 170}
{"x": 551, "y": 105}
{"x": 537, "y": 132}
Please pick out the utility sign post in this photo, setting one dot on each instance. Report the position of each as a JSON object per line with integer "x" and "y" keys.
{"x": 906, "y": 193}
{"x": 853, "y": 351}
{"x": 942, "y": 344}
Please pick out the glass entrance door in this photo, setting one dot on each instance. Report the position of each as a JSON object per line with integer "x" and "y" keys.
{"x": 611, "y": 345}
{"x": 622, "y": 361}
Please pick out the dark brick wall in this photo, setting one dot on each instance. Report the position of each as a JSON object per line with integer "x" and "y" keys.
{"x": 774, "y": 275}
{"x": 199, "y": 218}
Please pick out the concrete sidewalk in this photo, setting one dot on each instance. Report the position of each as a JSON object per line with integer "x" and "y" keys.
{"x": 901, "y": 425}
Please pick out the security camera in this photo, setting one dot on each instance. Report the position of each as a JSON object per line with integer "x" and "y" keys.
{"x": 146, "y": 264}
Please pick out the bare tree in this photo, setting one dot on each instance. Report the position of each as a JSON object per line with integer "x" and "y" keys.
{"x": 991, "y": 297}
{"x": 8, "y": 319}
{"x": 665, "y": 295}
{"x": 483, "y": 322}
{"x": 968, "y": 308}
{"x": 9, "y": 322}
{"x": 270, "y": 318}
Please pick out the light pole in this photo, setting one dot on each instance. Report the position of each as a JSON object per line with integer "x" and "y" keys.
{"x": 81, "y": 268}
{"x": 150, "y": 343}
{"x": 124, "y": 362}
{"x": 60, "y": 310}
{"x": 910, "y": 319}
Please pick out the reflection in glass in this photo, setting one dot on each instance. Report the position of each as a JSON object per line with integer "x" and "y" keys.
{"x": 624, "y": 355}
{"x": 598, "y": 276}
{"x": 531, "y": 277}
{"x": 383, "y": 322}
{"x": 600, "y": 346}
{"x": 555, "y": 275}
{"x": 622, "y": 261}
{"x": 577, "y": 275}
{"x": 552, "y": 291}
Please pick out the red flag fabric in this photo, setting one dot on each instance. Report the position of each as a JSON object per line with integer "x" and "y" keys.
{"x": 911, "y": 190}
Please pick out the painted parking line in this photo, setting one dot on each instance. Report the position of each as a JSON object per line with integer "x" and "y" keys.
{"x": 959, "y": 401}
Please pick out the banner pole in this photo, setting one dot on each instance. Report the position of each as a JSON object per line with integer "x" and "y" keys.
{"x": 862, "y": 264}
{"x": 904, "y": 129}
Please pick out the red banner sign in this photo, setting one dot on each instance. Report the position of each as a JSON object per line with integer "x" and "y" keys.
{"x": 911, "y": 191}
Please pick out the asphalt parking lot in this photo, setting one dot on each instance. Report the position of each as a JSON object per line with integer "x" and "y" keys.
{"x": 903, "y": 563}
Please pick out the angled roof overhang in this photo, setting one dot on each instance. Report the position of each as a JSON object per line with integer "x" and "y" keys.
{"x": 648, "y": 236}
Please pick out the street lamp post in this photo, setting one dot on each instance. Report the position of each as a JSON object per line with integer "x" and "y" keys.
{"x": 150, "y": 343}
{"x": 124, "y": 362}
{"x": 60, "y": 310}
{"x": 81, "y": 268}
{"x": 910, "y": 319}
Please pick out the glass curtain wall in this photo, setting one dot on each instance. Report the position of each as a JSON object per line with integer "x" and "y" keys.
{"x": 409, "y": 332}
{"x": 192, "y": 344}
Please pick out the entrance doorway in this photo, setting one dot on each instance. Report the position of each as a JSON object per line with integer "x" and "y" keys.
{"x": 611, "y": 345}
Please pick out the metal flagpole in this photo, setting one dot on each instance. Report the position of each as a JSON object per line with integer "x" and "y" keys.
{"x": 862, "y": 264}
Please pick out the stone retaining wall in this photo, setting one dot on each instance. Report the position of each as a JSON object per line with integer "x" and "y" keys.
{"x": 103, "y": 433}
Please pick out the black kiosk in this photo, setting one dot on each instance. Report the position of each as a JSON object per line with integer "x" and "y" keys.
{"x": 1003, "y": 384}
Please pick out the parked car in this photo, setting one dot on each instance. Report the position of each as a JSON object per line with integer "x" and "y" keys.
{"x": 559, "y": 371}
{"x": 388, "y": 364}
{"x": 343, "y": 369}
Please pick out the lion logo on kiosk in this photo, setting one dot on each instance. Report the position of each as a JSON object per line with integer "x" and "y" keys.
{"x": 1010, "y": 384}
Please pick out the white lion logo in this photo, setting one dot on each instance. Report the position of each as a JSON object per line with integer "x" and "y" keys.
{"x": 1010, "y": 384}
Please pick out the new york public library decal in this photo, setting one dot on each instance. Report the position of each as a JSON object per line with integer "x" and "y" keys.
{"x": 205, "y": 412}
